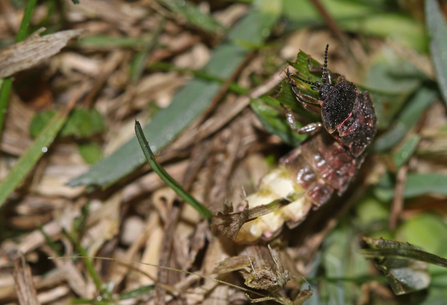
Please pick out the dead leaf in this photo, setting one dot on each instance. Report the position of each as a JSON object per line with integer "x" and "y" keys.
{"x": 33, "y": 50}
{"x": 23, "y": 279}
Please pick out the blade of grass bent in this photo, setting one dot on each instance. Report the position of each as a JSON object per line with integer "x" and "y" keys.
{"x": 189, "y": 102}
{"x": 150, "y": 157}
{"x": 36, "y": 150}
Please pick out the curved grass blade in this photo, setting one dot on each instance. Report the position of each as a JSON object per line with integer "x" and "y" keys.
{"x": 437, "y": 29}
{"x": 150, "y": 157}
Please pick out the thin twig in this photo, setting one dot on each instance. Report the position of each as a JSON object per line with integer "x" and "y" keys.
{"x": 398, "y": 201}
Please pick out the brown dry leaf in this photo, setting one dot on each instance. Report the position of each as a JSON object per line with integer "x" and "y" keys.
{"x": 33, "y": 50}
{"x": 26, "y": 292}
{"x": 260, "y": 266}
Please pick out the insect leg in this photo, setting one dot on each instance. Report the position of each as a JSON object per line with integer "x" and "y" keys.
{"x": 310, "y": 127}
{"x": 308, "y": 102}
{"x": 305, "y": 129}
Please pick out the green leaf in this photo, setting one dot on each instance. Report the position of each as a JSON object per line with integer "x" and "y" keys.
{"x": 32, "y": 155}
{"x": 425, "y": 230}
{"x": 195, "y": 16}
{"x": 415, "y": 185}
{"x": 188, "y": 104}
{"x": 404, "y": 153}
{"x": 416, "y": 106}
{"x": 91, "y": 152}
{"x": 156, "y": 167}
{"x": 140, "y": 291}
{"x": 7, "y": 82}
{"x": 81, "y": 123}
{"x": 391, "y": 73}
{"x": 286, "y": 95}
{"x": 387, "y": 105}
{"x": 371, "y": 210}
{"x": 274, "y": 121}
{"x": 437, "y": 30}
{"x": 339, "y": 260}
{"x": 39, "y": 121}
{"x": 420, "y": 184}
{"x": 363, "y": 17}
{"x": 108, "y": 42}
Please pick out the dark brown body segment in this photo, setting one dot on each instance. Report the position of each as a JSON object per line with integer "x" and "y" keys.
{"x": 329, "y": 159}
{"x": 359, "y": 129}
{"x": 322, "y": 165}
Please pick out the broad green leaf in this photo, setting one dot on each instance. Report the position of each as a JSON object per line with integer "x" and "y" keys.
{"x": 426, "y": 231}
{"x": 91, "y": 152}
{"x": 188, "y": 104}
{"x": 420, "y": 184}
{"x": 81, "y": 123}
{"x": 437, "y": 29}
{"x": 387, "y": 105}
{"x": 404, "y": 153}
{"x": 415, "y": 185}
{"x": 371, "y": 210}
{"x": 410, "y": 115}
{"x": 391, "y": 73}
{"x": 340, "y": 260}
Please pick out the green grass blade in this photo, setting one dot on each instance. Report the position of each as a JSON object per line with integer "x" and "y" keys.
{"x": 36, "y": 150}
{"x": 418, "y": 103}
{"x": 150, "y": 157}
{"x": 7, "y": 83}
{"x": 88, "y": 263}
{"x": 194, "y": 16}
{"x": 413, "y": 254}
{"x": 437, "y": 29}
{"x": 189, "y": 102}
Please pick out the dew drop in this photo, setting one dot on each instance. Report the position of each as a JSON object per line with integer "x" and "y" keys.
{"x": 44, "y": 149}
{"x": 265, "y": 32}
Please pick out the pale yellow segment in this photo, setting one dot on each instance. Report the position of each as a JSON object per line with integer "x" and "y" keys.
{"x": 277, "y": 184}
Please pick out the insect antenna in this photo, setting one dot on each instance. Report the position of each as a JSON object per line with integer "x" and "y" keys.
{"x": 325, "y": 77}
{"x": 315, "y": 85}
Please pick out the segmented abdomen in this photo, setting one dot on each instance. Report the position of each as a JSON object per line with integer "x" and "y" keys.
{"x": 316, "y": 169}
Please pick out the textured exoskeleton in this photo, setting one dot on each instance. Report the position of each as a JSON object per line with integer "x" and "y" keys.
{"x": 346, "y": 113}
{"x": 308, "y": 176}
